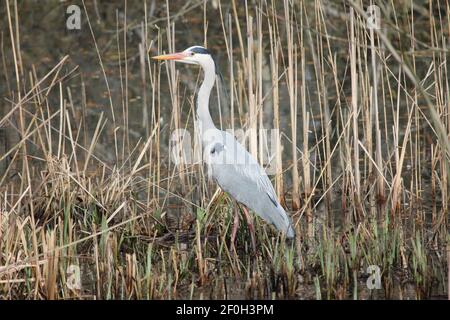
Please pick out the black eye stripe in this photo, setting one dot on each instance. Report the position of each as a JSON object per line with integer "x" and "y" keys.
{"x": 200, "y": 50}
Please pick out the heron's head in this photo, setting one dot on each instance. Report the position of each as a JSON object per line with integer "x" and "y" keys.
{"x": 192, "y": 55}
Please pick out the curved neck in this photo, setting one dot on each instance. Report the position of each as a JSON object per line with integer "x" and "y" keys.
{"x": 203, "y": 115}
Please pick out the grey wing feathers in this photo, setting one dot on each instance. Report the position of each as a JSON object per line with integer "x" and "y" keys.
{"x": 239, "y": 174}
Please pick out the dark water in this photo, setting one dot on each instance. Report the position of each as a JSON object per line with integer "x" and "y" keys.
{"x": 44, "y": 40}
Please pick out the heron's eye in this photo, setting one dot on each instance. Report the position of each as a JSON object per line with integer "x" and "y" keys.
{"x": 192, "y": 53}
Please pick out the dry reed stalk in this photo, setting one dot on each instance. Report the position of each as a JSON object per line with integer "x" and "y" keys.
{"x": 378, "y": 155}
{"x": 100, "y": 60}
{"x": 259, "y": 118}
{"x": 448, "y": 268}
{"x": 292, "y": 91}
{"x": 305, "y": 157}
{"x": 274, "y": 61}
{"x": 173, "y": 75}
{"x": 252, "y": 107}
{"x": 354, "y": 103}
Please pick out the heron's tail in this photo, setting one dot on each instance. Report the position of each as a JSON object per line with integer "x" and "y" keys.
{"x": 281, "y": 220}
{"x": 267, "y": 207}
{"x": 290, "y": 231}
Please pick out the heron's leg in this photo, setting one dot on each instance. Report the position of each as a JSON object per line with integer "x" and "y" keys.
{"x": 235, "y": 226}
{"x": 249, "y": 220}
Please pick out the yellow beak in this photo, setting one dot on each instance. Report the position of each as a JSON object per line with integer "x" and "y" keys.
{"x": 171, "y": 56}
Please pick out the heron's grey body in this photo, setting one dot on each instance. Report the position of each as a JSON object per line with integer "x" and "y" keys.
{"x": 234, "y": 169}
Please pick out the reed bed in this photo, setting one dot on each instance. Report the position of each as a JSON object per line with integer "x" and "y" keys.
{"x": 93, "y": 205}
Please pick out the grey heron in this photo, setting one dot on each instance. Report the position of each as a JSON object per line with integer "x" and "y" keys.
{"x": 233, "y": 168}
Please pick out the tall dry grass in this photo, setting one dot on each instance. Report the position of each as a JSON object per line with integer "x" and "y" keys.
{"x": 362, "y": 155}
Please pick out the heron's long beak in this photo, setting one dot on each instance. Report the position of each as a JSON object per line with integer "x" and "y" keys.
{"x": 171, "y": 56}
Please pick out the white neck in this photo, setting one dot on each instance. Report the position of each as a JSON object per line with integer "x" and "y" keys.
{"x": 203, "y": 115}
